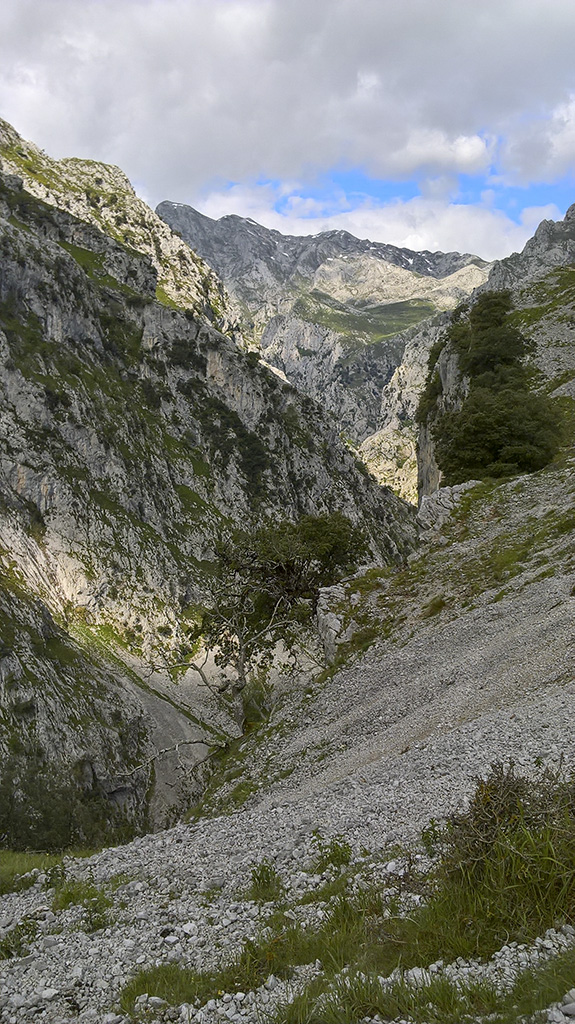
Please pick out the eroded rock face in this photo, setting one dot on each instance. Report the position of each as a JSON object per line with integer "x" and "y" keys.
{"x": 101, "y": 195}
{"x": 393, "y": 451}
{"x": 552, "y": 245}
{"x": 132, "y": 433}
{"x": 331, "y": 312}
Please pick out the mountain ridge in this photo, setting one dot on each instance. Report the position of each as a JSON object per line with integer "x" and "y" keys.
{"x": 332, "y": 312}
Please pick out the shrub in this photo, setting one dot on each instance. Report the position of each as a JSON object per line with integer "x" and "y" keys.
{"x": 497, "y": 433}
{"x": 266, "y": 885}
{"x": 503, "y": 426}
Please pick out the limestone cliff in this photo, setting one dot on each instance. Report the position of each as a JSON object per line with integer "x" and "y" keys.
{"x": 333, "y": 313}
{"x": 100, "y": 194}
{"x": 132, "y": 433}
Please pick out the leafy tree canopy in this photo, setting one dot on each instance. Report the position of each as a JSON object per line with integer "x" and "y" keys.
{"x": 266, "y": 583}
{"x": 503, "y": 426}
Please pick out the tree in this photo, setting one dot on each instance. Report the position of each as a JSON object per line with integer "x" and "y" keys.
{"x": 264, "y": 589}
{"x": 497, "y": 433}
{"x": 503, "y": 426}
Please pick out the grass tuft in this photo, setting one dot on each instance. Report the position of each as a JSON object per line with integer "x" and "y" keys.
{"x": 15, "y": 868}
{"x": 266, "y": 884}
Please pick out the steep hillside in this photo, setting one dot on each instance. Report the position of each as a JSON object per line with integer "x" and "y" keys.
{"x": 311, "y": 893}
{"x": 540, "y": 285}
{"x": 329, "y": 310}
{"x": 101, "y": 194}
{"x": 133, "y": 435}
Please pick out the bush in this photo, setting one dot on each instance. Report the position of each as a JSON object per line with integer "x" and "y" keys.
{"x": 43, "y": 807}
{"x": 503, "y": 426}
{"x": 506, "y": 869}
{"x": 497, "y": 433}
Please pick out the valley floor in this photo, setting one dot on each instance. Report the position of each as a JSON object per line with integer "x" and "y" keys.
{"x": 472, "y": 661}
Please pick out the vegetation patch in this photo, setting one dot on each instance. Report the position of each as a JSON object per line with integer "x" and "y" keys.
{"x": 45, "y": 807}
{"x": 18, "y": 869}
{"x": 17, "y": 941}
{"x": 504, "y": 871}
{"x": 266, "y": 884}
{"x": 363, "y": 324}
{"x": 80, "y": 893}
{"x": 502, "y": 426}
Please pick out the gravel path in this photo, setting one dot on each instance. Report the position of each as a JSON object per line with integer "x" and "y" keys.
{"x": 374, "y": 753}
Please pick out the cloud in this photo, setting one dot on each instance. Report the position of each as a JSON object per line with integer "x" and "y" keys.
{"x": 184, "y": 94}
{"x": 420, "y": 223}
{"x": 545, "y": 149}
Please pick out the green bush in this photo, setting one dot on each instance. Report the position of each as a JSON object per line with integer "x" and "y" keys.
{"x": 497, "y": 433}
{"x": 506, "y": 870}
{"x": 503, "y": 426}
{"x": 44, "y": 807}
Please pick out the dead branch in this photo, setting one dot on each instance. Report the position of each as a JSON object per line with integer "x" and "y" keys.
{"x": 175, "y": 747}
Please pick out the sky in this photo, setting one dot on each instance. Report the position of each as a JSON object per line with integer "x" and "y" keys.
{"x": 431, "y": 124}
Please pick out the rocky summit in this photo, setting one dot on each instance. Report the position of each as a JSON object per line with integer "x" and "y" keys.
{"x": 276, "y": 744}
{"x": 332, "y": 312}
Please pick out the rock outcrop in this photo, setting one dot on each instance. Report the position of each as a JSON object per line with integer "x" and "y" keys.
{"x": 133, "y": 432}
{"x": 334, "y": 313}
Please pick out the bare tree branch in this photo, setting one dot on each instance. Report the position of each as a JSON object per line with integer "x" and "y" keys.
{"x": 175, "y": 747}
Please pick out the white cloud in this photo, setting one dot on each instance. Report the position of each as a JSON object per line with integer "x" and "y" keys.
{"x": 420, "y": 223}
{"x": 427, "y": 148}
{"x": 185, "y": 93}
{"x": 544, "y": 149}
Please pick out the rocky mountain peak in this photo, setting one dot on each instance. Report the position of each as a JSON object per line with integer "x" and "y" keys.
{"x": 552, "y": 245}
{"x": 102, "y": 195}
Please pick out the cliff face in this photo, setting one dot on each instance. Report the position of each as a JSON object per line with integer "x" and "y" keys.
{"x": 101, "y": 195}
{"x": 334, "y": 313}
{"x": 541, "y": 281}
{"x": 132, "y": 433}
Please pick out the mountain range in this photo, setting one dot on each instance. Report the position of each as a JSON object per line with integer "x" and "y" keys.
{"x": 181, "y": 395}
{"x": 333, "y": 313}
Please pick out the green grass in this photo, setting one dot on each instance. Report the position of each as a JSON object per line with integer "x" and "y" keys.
{"x": 266, "y": 884}
{"x": 92, "y": 264}
{"x": 328, "y": 891}
{"x": 94, "y": 901}
{"x": 335, "y": 852}
{"x": 440, "y": 1001}
{"x": 14, "y": 864}
{"x": 505, "y": 871}
{"x": 17, "y": 941}
{"x": 369, "y": 324}
{"x": 335, "y": 943}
